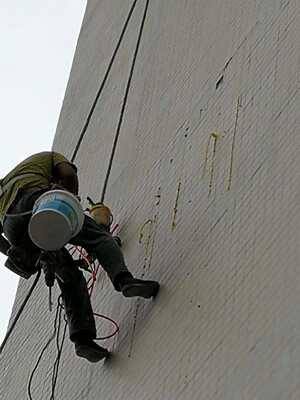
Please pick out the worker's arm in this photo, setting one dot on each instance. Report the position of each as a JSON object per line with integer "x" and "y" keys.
{"x": 4, "y": 244}
{"x": 65, "y": 175}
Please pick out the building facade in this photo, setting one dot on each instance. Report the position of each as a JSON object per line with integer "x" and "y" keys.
{"x": 204, "y": 186}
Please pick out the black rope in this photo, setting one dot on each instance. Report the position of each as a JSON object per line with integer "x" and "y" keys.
{"x": 56, "y": 324}
{"x": 59, "y": 346}
{"x": 84, "y": 129}
{"x": 58, "y": 358}
{"x": 11, "y": 328}
{"x": 117, "y": 134}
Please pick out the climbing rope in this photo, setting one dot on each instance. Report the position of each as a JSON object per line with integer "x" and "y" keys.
{"x": 86, "y": 124}
{"x": 125, "y": 98}
{"x": 124, "y": 103}
{"x": 56, "y": 323}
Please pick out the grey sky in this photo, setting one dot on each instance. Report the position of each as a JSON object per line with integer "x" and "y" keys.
{"x": 37, "y": 42}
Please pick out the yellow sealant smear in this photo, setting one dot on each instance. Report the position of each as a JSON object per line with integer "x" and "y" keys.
{"x": 206, "y": 157}
{"x": 142, "y": 229}
{"x": 215, "y": 137}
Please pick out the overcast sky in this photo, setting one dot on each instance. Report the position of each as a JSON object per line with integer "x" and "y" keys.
{"x": 37, "y": 42}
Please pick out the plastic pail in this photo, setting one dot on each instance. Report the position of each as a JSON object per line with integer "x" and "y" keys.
{"x": 57, "y": 216}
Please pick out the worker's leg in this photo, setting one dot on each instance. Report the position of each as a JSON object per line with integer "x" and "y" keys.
{"x": 76, "y": 301}
{"x": 78, "y": 309}
{"x": 75, "y": 297}
{"x": 97, "y": 241}
{"x": 100, "y": 243}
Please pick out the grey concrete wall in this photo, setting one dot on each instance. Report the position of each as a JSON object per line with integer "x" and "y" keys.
{"x": 209, "y": 153}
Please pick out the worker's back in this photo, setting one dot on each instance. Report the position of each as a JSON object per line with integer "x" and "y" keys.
{"x": 34, "y": 172}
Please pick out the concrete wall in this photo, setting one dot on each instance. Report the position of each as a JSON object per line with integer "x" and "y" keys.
{"x": 208, "y": 152}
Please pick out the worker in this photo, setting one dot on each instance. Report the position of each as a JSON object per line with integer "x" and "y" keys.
{"x": 19, "y": 190}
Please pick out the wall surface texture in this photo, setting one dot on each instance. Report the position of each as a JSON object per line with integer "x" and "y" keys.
{"x": 205, "y": 187}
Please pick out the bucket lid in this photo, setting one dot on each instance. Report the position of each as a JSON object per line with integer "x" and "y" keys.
{"x": 49, "y": 233}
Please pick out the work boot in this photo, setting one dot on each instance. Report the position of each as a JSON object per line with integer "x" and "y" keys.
{"x": 21, "y": 262}
{"x": 131, "y": 287}
{"x": 91, "y": 351}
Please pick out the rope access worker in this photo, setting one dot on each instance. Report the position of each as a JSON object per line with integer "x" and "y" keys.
{"x": 19, "y": 190}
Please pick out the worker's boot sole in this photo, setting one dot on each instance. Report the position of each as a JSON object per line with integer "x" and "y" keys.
{"x": 91, "y": 354}
{"x": 21, "y": 263}
{"x": 145, "y": 289}
{"x": 14, "y": 268}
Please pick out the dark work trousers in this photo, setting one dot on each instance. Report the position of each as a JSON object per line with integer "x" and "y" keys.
{"x": 93, "y": 237}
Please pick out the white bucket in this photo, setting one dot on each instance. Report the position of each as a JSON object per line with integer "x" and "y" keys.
{"x": 57, "y": 216}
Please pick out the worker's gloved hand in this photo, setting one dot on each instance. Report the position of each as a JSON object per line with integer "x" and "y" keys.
{"x": 101, "y": 214}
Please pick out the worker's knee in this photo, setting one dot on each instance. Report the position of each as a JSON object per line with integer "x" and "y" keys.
{"x": 68, "y": 274}
{"x": 66, "y": 271}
